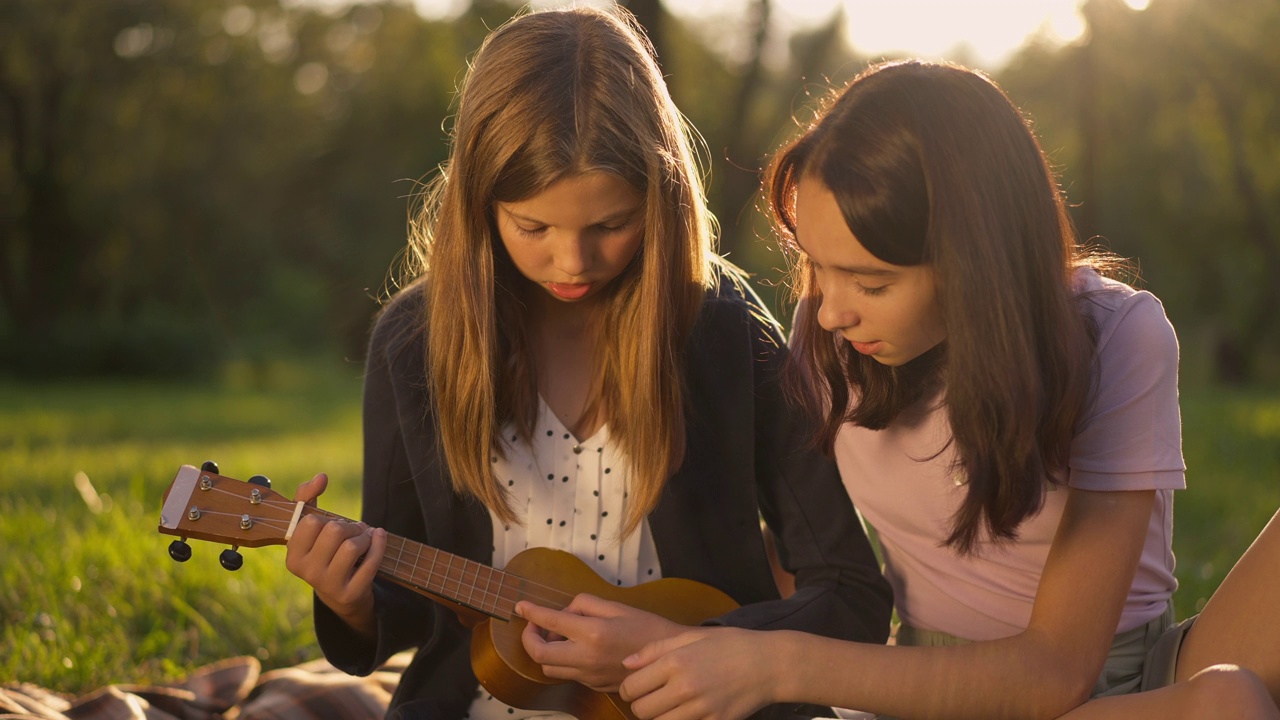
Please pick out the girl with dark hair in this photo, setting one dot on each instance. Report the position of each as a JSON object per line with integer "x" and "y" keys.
{"x": 1007, "y": 419}
{"x": 571, "y": 366}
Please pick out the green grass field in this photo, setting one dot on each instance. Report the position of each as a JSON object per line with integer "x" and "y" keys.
{"x": 89, "y": 596}
{"x": 88, "y": 593}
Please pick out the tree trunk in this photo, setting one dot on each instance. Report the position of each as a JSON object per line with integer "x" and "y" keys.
{"x": 649, "y": 15}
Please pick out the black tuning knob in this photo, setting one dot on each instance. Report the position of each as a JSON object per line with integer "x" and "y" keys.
{"x": 180, "y": 551}
{"x": 231, "y": 560}
{"x": 262, "y": 480}
{"x": 210, "y": 466}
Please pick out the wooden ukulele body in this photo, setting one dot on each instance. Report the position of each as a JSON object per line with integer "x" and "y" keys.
{"x": 510, "y": 675}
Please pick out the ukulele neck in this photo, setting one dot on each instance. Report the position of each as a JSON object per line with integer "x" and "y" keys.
{"x": 452, "y": 577}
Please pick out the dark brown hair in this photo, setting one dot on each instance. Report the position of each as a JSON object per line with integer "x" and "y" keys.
{"x": 931, "y": 164}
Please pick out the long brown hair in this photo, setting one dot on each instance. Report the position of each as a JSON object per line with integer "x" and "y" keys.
{"x": 552, "y": 94}
{"x": 931, "y": 164}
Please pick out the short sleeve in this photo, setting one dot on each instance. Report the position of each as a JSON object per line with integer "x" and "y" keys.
{"x": 1131, "y": 435}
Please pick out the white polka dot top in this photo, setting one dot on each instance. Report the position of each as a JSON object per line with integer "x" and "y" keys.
{"x": 573, "y": 497}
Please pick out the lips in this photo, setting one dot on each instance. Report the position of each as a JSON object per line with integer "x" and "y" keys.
{"x": 867, "y": 348}
{"x": 569, "y": 291}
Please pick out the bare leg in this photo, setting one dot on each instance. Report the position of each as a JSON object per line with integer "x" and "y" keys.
{"x": 1229, "y": 663}
{"x": 1221, "y": 691}
{"x": 1239, "y": 624}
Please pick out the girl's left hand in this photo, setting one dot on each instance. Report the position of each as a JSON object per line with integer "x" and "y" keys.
{"x": 719, "y": 673}
{"x": 587, "y": 641}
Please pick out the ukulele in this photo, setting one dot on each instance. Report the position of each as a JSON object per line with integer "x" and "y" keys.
{"x": 204, "y": 505}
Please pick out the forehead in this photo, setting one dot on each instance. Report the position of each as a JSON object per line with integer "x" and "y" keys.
{"x": 823, "y": 234}
{"x": 584, "y": 197}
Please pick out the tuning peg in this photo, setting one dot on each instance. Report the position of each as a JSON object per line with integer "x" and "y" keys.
{"x": 210, "y": 466}
{"x": 230, "y": 559}
{"x": 262, "y": 480}
{"x": 179, "y": 550}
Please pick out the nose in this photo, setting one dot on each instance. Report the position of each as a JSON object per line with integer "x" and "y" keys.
{"x": 573, "y": 254}
{"x": 836, "y": 310}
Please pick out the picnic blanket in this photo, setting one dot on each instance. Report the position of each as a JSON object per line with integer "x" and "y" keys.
{"x": 231, "y": 689}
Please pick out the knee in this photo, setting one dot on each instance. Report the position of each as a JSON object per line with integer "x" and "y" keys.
{"x": 1229, "y": 691}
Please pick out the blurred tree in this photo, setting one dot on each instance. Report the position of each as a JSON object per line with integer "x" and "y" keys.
{"x": 187, "y": 181}
{"x": 654, "y": 19}
{"x": 1167, "y": 122}
{"x": 745, "y": 105}
{"x": 44, "y": 49}
{"x": 136, "y": 129}
{"x": 202, "y": 180}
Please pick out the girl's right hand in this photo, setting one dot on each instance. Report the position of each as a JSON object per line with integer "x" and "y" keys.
{"x": 337, "y": 558}
{"x": 716, "y": 673}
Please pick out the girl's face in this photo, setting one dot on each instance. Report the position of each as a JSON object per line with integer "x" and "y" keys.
{"x": 575, "y": 236}
{"x": 889, "y": 312}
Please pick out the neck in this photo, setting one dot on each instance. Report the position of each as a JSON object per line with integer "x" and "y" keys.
{"x": 550, "y": 314}
{"x": 564, "y": 342}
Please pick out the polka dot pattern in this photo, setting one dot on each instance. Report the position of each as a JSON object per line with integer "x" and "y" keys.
{"x": 572, "y": 496}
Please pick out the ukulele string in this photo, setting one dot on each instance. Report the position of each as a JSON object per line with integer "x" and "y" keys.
{"x": 543, "y": 594}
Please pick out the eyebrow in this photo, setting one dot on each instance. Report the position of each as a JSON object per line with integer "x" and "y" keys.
{"x": 870, "y": 270}
{"x": 865, "y": 270}
{"x": 626, "y": 214}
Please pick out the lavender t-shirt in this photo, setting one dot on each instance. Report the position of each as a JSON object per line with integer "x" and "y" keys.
{"x": 1129, "y": 439}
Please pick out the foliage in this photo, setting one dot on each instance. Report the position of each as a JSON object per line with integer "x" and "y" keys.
{"x": 1166, "y": 123}
{"x": 242, "y": 166}
{"x": 234, "y": 177}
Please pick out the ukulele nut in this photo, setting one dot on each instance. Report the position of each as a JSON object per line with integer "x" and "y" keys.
{"x": 193, "y": 513}
{"x": 255, "y": 497}
{"x": 206, "y": 483}
{"x": 245, "y": 522}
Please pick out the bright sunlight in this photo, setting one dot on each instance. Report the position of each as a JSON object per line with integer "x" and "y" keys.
{"x": 985, "y": 32}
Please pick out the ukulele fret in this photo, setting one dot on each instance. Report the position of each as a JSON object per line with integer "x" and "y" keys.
{"x": 417, "y": 557}
{"x": 484, "y": 589}
{"x": 472, "y": 589}
{"x": 497, "y": 600}
{"x": 511, "y": 593}
{"x": 488, "y": 583}
{"x": 399, "y": 553}
{"x": 448, "y": 575}
{"x": 431, "y": 572}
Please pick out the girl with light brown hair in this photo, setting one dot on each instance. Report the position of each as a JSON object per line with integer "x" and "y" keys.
{"x": 570, "y": 365}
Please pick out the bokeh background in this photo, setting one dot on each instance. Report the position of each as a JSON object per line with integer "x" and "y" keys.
{"x": 202, "y": 201}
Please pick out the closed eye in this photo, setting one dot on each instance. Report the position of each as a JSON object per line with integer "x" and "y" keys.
{"x": 617, "y": 225}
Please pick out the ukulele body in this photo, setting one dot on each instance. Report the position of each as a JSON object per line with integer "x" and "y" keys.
{"x": 504, "y": 668}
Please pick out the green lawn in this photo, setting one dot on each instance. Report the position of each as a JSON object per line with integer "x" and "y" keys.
{"x": 89, "y": 596}
{"x": 1231, "y": 442}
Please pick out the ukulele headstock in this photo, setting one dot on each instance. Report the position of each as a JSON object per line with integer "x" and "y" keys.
{"x": 204, "y": 505}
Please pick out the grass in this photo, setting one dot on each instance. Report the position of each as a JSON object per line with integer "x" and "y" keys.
{"x": 89, "y": 596}
{"x": 1231, "y": 442}
{"x": 88, "y": 593}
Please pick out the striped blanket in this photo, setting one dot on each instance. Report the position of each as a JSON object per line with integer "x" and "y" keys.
{"x": 231, "y": 689}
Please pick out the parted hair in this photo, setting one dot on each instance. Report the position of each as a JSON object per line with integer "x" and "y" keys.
{"x": 549, "y": 95}
{"x": 932, "y": 164}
